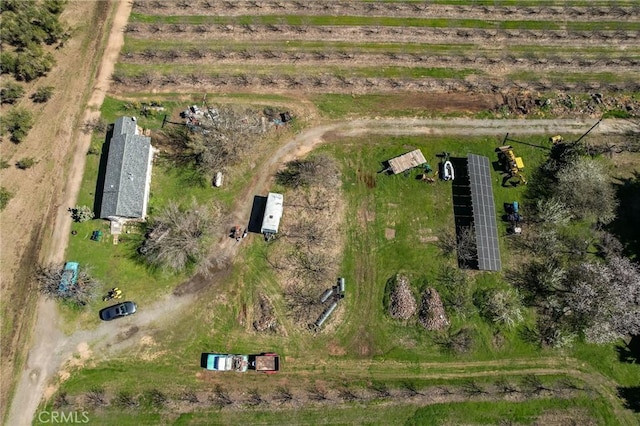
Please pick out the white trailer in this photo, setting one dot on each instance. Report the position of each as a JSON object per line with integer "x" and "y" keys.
{"x": 272, "y": 214}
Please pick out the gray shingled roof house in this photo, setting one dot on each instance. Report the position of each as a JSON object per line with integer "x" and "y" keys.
{"x": 128, "y": 172}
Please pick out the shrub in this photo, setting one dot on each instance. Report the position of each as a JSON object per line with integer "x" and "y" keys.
{"x": 26, "y": 163}
{"x": 33, "y": 63}
{"x": 81, "y": 213}
{"x": 42, "y": 94}
{"x": 7, "y": 62}
{"x": 18, "y": 122}
{"x": 11, "y": 92}
{"x": 458, "y": 342}
{"x": 5, "y": 196}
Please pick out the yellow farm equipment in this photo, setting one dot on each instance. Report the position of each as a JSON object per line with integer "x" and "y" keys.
{"x": 511, "y": 165}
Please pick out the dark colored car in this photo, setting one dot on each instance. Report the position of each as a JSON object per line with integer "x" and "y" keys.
{"x": 116, "y": 311}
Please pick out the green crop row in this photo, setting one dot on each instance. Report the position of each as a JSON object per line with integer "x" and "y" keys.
{"x": 321, "y": 20}
{"x": 298, "y": 70}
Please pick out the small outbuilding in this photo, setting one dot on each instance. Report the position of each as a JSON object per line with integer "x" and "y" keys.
{"x": 406, "y": 161}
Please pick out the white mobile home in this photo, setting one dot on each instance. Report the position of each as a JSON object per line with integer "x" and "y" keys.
{"x": 272, "y": 214}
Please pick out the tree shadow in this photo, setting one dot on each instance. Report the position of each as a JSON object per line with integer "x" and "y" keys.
{"x": 630, "y": 352}
{"x": 463, "y": 215}
{"x": 624, "y": 227}
{"x": 257, "y": 214}
{"x": 102, "y": 171}
{"x": 631, "y": 397}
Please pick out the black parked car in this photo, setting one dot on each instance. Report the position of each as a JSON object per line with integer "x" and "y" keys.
{"x": 116, "y": 311}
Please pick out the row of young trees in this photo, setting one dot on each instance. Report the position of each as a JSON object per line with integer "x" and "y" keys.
{"x": 531, "y": 59}
{"x": 319, "y": 394}
{"x": 12, "y": 92}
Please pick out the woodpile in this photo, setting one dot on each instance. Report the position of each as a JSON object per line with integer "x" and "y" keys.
{"x": 432, "y": 315}
{"x": 402, "y": 303}
{"x": 266, "y": 320}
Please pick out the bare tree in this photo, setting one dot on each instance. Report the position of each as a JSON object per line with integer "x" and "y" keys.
{"x": 466, "y": 246}
{"x": 215, "y": 144}
{"x": 95, "y": 397}
{"x": 380, "y": 389}
{"x": 255, "y": 399}
{"x": 319, "y": 169}
{"x": 472, "y": 388}
{"x": 505, "y": 387}
{"x": 177, "y": 236}
{"x": 457, "y": 291}
{"x": 124, "y": 399}
{"x": 154, "y": 398}
{"x": 348, "y": 395}
{"x": 317, "y": 393}
{"x": 80, "y": 290}
{"x": 60, "y": 400}
{"x": 301, "y": 301}
{"x": 189, "y": 396}
{"x": 410, "y": 388}
{"x": 98, "y": 125}
{"x": 221, "y": 397}
{"x": 283, "y": 395}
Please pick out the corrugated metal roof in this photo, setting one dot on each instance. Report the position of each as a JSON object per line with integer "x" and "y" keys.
{"x": 407, "y": 161}
{"x": 126, "y": 172}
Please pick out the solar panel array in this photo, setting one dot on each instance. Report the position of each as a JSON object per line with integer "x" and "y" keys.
{"x": 484, "y": 213}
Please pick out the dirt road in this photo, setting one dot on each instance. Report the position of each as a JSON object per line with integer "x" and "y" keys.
{"x": 50, "y": 345}
{"x": 52, "y": 349}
